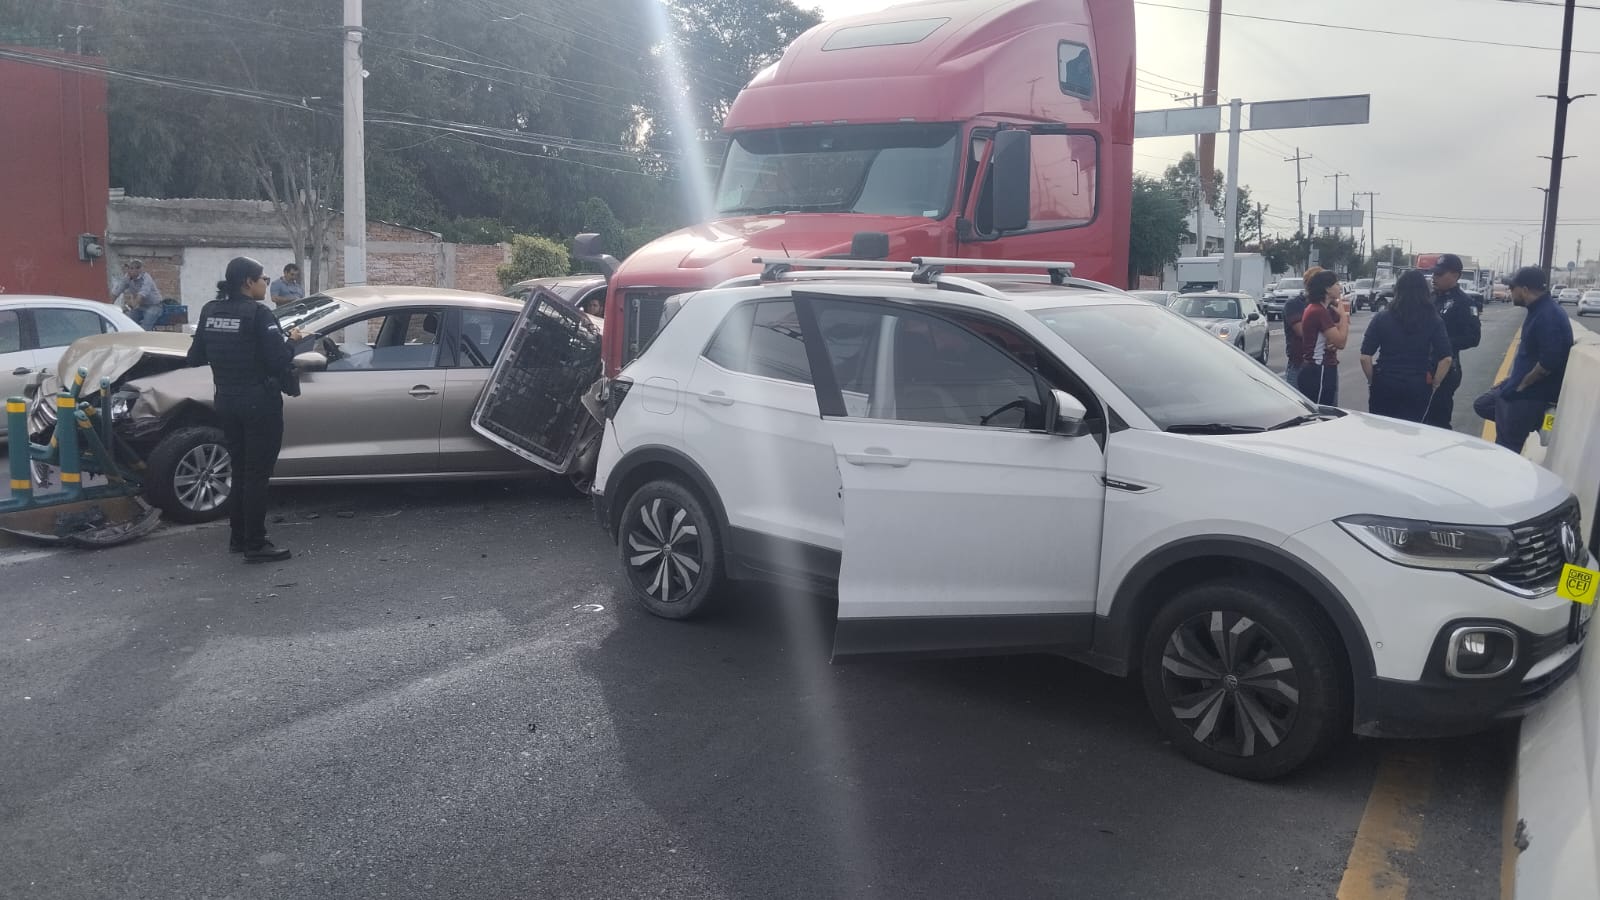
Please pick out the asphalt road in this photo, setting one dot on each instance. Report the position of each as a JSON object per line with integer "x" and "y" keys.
{"x": 445, "y": 694}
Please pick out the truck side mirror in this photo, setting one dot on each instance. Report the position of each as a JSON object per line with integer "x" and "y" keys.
{"x": 1011, "y": 169}
{"x": 590, "y": 248}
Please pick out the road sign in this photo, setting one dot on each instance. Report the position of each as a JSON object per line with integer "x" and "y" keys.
{"x": 1354, "y": 109}
{"x": 1340, "y": 218}
{"x": 1572, "y": 266}
{"x": 1184, "y": 120}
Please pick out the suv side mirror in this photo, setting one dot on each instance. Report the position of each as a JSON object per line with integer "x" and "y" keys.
{"x": 1065, "y": 415}
{"x": 1011, "y": 167}
{"x": 1254, "y": 317}
{"x": 310, "y": 361}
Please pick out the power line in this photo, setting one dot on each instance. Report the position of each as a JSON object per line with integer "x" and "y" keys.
{"x": 1404, "y": 34}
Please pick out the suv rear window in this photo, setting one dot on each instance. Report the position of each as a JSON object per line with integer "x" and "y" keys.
{"x": 762, "y": 339}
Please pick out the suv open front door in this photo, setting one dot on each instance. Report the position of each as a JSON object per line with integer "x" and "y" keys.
{"x": 969, "y": 528}
{"x": 534, "y": 403}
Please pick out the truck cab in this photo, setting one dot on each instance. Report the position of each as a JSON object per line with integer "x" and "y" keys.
{"x": 896, "y": 123}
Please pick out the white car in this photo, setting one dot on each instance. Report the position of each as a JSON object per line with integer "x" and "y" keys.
{"x": 36, "y": 329}
{"x": 1569, "y": 295}
{"x": 1000, "y": 464}
{"x": 1589, "y": 303}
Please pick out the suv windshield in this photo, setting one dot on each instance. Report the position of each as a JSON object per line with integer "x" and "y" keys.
{"x": 1178, "y": 374}
{"x": 301, "y": 313}
{"x": 886, "y": 170}
{"x": 1291, "y": 284}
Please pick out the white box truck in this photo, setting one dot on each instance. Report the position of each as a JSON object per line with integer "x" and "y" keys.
{"x": 1204, "y": 273}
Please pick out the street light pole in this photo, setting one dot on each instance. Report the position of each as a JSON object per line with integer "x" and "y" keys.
{"x": 355, "y": 163}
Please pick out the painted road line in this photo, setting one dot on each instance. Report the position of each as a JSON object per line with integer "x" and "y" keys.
{"x": 1389, "y": 828}
{"x": 1508, "y": 841}
{"x": 1502, "y": 375}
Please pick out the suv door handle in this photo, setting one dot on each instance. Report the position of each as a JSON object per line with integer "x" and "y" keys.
{"x": 422, "y": 390}
{"x": 22, "y": 370}
{"x": 877, "y": 456}
{"x": 716, "y": 398}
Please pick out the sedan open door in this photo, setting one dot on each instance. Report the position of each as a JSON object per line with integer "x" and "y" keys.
{"x": 534, "y": 405}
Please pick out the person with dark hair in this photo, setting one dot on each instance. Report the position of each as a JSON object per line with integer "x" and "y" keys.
{"x": 1325, "y": 328}
{"x": 1517, "y": 405}
{"x": 288, "y": 289}
{"x": 252, "y": 367}
{"x": 1294, "y": 344}
{"x": 1412, "y": 349}
{"x": 140, "y": 297}
{"x": 1461, "y": 323}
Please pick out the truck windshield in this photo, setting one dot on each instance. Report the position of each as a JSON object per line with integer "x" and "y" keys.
{"x": 885, "y": 170}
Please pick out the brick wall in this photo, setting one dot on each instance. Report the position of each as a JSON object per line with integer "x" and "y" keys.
{"x": 476, "y": 266}
{"x": 420, "y": 267}
{"x": 164, "y": 265}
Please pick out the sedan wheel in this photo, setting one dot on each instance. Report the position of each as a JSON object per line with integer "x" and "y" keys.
{"x": 189, "y": 475}
{"x": 1243, "y": 676}
{"x": 669, "y": 550}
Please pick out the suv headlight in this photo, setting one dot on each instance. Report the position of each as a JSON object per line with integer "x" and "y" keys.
{"x": 122, "y": 405}
{"x": 1431, "y": 545}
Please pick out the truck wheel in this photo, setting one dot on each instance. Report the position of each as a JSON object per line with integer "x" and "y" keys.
{"x": 1244, "y": 679}
{"x": 670, "y": 550}
{"x": 189, "y": 475}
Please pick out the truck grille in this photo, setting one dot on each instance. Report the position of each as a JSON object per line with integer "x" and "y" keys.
{"x": 643, "y": 316}
{"x": 1539, "y": 558}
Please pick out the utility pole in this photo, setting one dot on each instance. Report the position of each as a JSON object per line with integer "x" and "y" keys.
{"x": 1336, "y": 176}
{"x": 1230, "y": 219}
{"x": 1261, "y": 226}
{"x": 1300, "y": 198}
{"x": 1208, "y": 142}
{"x": 355, "y": 163}
{"x": 1563, "y": 100}
{"x": 1546, "y": 233}
{"x": 1372, "y": 222}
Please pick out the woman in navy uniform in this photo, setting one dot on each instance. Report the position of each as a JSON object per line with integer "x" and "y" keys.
{"x": 252, "y": 368}
{"x": 1412, "y": 350}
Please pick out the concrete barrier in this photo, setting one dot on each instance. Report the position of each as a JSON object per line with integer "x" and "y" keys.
{"x": 1557, "y": 787}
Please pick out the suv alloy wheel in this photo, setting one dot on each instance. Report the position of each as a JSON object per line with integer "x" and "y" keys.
{"x": 1242, "y": 681}
{"x": 670, "y": 552}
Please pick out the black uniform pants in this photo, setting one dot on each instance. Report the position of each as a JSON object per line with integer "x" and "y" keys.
{"x": 1514, "y": 417}
{"x": 1444, "y": 399}
{"x": 252, "y": 425}
{"x": 1399, "y": 397}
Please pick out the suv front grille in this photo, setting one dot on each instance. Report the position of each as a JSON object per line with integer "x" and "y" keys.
{"x": 1539, "y": 557}
{"x": 643, "y": 316}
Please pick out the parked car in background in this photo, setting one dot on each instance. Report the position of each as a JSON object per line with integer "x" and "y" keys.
{"x": 1234, "y": 318}
{"x": 1160, "y": 298}
{"x": 1569, "y": 295}
{"x": 1148, "y": 501}
{"x": 1383, "y": 295}
{"x": 36, "y": 329}
{"x": 1361, "y": 293}
{"x": 1589, "y": 303}
{"x": 389, "y": 379}
{"x": 1285, "y": 290}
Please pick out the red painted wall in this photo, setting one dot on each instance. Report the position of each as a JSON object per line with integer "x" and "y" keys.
{"x": 54, "y": 178}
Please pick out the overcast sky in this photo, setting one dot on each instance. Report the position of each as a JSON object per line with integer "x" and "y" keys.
{"x": 1456, "y": 130}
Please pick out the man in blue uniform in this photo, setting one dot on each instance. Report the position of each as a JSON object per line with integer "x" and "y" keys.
{"x": 252, "y": 367}
{"x": 1461, "y": 324}
{"x": 1517, "y": 405}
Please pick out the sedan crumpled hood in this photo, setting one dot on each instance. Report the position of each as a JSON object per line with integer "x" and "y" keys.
{"x": 113, "y": 356}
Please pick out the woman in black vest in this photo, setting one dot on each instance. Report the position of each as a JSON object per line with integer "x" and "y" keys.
{"x": 1406, "y": 352}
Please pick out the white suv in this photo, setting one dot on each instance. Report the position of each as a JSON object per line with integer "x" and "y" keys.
{"x": 1000, "y": 464}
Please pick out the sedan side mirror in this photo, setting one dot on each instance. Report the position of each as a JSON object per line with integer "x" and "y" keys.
{"x": 1254, "y": 317}
{"x": 1066, "y": 415}
{"x": 310, "y": 361}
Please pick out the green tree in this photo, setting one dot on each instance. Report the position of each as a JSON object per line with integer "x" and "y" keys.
{"x": 1157, "y": 229}
{"x": 1183, "y": 180}
{"x": 722, "y": 44}
{"x": 533, "y": 256}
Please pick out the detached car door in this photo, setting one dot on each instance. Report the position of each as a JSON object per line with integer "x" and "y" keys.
{"x": 375, "y": 409}
{"x": 967, "y": 529}
{"x": 533, "y": 405}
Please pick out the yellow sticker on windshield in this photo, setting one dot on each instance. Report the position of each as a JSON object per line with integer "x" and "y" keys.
{"x": 1578, "y": 584}
{"x": 1549, "y": 423}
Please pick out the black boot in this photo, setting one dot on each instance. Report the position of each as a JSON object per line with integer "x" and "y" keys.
{"x": 266, "y": 553}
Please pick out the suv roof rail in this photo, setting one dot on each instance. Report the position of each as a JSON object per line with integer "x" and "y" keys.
{"x": 924, "y": 269}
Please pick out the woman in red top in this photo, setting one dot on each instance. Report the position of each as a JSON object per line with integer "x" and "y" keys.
{"x": 1325, "y": 329}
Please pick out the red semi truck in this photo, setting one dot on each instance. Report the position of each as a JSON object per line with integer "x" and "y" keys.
{"x": 894, "y": 124}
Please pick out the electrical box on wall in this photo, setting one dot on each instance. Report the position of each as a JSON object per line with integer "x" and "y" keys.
{"x": 90, "y": 247}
